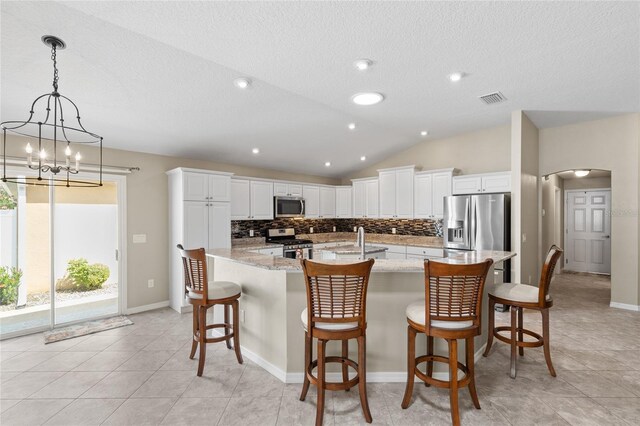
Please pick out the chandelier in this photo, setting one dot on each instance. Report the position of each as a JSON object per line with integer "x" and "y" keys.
{"x": 57, "y": 159}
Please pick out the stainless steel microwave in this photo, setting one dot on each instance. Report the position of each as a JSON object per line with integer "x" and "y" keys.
{"x": 288, "y": 206}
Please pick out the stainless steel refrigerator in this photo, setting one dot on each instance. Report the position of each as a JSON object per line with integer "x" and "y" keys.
{"x": 479, "y": 222}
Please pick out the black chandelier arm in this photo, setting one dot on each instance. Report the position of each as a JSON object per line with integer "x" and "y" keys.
{"x": 78, "y": 116}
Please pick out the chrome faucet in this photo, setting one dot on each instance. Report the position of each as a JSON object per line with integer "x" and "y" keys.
{"x": 360, "y": 242}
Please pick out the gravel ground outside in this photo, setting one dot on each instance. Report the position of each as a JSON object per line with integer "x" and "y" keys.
{"x": 37, "y": 299}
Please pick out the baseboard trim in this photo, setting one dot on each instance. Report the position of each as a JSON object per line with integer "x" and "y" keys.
{"x": 298, "y": 377}
{"x": 635, "y": 308}
{"x": 144, "y": 308}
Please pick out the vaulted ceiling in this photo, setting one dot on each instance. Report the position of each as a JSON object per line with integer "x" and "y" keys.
{"x": 158, "y": 76}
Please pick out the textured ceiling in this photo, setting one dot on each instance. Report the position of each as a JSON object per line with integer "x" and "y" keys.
{"x": 157, "y": 76}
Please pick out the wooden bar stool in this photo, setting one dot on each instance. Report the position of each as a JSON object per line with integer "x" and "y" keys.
{"x": 203, "y": 297}
{"x": 454, "y": 292}
{"x": 336, "y": 310}
{"x": 519, "y": 297}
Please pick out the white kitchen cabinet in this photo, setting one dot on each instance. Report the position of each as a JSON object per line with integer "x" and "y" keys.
{"x": 240, "y": 199}
{"x": 430, "y": 188}
{"x": 251, "y": 200}
{"x": 261, "y": 200}
{"x": 195, "y": 223}
{"x": 424, "y": 252}
{"x": 311, "y": 195}
{"x": 343, "y": 201}
{"x": 396, "y": 192}
{"x": 327, "y": 202}
{"x": 482, "y": 183}
{"x": 393, "y": 251}
{"x": 275, "y": 251}
{"x": 206, "y": 186}
{"x": 365, "y": 198}
{"x": 284, "y": 189}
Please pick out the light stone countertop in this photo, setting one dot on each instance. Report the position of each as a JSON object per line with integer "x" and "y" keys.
{"x": 351, "y": 249}
{"x": 264, "y": 261}
{"x": 256, "y": 243}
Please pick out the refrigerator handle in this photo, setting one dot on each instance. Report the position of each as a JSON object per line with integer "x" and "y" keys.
{"x": 472, "y": 224}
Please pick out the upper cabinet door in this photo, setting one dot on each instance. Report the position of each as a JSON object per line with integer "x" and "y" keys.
{"x": 195, "y": 186}
{"x": 387, "y": 182}
{"x": 280, "y": 189}
{"x": 311, "y": 195}
{"x": 295, "y": 190}
{"x": 343, "y": 202}
{"x": 497, "y": 183}
{"x": 327, "y": 202}
{"x": 441, "y": 189}
{"x": 240, "y": 199}
{"x": 261, "y": 200}
{"x": 219, "y": 188}
{"x": 467, "y": 185}
{"x": 404, "y": 194}
{"x": 372, "y": 199}
{"x": 423, "y": 196}
{"x": 359, "y": 199}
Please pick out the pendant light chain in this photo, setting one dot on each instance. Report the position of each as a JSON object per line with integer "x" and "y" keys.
{"x": 55, "y": 66}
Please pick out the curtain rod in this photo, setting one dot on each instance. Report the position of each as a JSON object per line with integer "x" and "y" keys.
{"x": 18, "y": 161}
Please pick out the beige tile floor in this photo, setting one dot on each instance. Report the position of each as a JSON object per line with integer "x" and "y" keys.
{"x": 141, "y": 375}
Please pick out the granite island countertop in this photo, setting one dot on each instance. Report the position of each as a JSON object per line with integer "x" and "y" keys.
{"x": 264, "y": 261}
{"x": 351, "y": 249}
{"x": 256, "y": 243}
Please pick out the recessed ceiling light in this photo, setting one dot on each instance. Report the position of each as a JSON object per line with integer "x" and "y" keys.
{"x": 424, "y": 133}
{"x": 367, "y": 98}
{"x": 581, "y": 173}
{"x": 327, "y": 164}
{"x": 242, "y": 83}
{"x": 363, "y": 158}
{"x": 352, "y": 126}
{"x": 363, "y": 64}
{"x": 456, "y": 76}
{"x": 256, "y": 150}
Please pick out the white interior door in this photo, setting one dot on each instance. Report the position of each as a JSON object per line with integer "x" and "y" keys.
{"x": 588, "y": 244}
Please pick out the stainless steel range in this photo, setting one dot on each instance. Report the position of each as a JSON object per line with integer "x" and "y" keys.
{"x": 291, "y": 244}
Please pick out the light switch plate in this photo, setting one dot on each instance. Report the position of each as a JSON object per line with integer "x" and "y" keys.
{"x": 139, "y": 238}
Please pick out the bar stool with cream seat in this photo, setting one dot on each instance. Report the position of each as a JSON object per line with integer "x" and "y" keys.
{"x": 336, "y": 310}
{"x": 454, "y": 292}
{"x": 520, "y": 297}
{"x": 203, "y": 297}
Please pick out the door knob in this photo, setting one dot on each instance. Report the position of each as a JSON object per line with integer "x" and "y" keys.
{"x": 606, "y": 236}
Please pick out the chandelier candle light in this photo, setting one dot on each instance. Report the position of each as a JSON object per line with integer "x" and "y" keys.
{"x": 50, "y": 131}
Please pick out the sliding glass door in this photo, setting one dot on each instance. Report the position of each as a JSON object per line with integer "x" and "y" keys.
{"x": 25, "y": 258}
{"x": 59, "y": 255}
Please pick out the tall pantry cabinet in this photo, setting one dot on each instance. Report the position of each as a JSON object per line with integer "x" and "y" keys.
{"x": 199, "y": 216}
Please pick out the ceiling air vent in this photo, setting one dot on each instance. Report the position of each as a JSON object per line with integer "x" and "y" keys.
{"x": 493, "y": 98}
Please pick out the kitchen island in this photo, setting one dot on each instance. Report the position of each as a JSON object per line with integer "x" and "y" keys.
{"x": 274, "y": 295}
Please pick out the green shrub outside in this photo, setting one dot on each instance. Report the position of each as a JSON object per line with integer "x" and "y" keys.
{"x": 81, "y": 276}
{"x": 9, "y": 283}
{"x": 7, "y": 201}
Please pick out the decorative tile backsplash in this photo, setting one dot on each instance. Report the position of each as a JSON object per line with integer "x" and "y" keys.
{"x": 421, "y": 227}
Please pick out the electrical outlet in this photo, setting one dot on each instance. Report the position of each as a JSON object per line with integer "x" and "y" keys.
{"x": 139, "y": 238}
{"x": 355, "y": 229}
{"x": 393, "y": 230}
{"x": 524, "y": 238}
{"x": 334, "y": 229}
{"x": 151, "y": 283}
{"x": 529, "y": 279}
{"x": 543, "y": 212}
{"x": 251, "y": 232}
{"x": 241, "y": 315}
{"x": 311, "y": 230}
